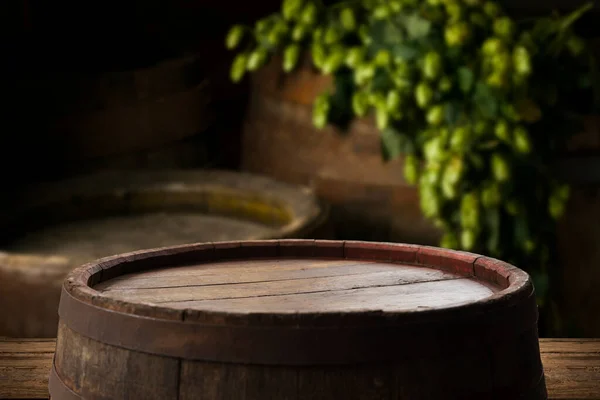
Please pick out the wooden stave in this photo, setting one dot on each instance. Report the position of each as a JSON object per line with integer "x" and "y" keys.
{"x": 509, "y": 384}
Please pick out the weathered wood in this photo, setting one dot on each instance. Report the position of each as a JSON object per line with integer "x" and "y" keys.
{"x": 322, "y": 326}
{"x": 52, "y": 229}
{"x": 572, "y": 368}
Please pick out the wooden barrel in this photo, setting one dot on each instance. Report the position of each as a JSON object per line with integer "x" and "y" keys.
{"x": 579, "y": 234}
{"x": 297, "y": 319}
{"x": 370, "y": 198}
{"x": 49, "y": 230}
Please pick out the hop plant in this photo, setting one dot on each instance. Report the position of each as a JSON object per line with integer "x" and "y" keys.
{"x": 458, "y": 82}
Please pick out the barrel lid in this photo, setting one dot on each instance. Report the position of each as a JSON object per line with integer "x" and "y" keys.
{"x": 257, "y": 301}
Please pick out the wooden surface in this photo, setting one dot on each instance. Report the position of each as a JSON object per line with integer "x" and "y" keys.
{"x": 572, "y": 368}
{"x": 296, "y": 286}
{"x": 52, "y": 229}
{"x": 298, "y": 319}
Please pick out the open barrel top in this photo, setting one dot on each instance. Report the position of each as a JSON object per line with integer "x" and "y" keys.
{"x": 298, "y": 302}
{"x": 296, "y": 281}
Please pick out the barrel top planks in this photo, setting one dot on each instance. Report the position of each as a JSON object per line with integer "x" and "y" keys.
{"x": 302, "y": 319}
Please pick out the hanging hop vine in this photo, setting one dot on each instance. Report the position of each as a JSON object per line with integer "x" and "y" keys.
{"x": 477, "y": 104}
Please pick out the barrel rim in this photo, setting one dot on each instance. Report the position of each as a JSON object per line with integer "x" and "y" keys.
{"x": 514, "y": 283}
{"x": 305, "y": 210}
{"x": 299, "y": 338}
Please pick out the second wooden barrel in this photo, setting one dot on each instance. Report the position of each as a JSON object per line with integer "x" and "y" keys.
{"x": 51, "y": 229}
{"x": 297, "y": 319}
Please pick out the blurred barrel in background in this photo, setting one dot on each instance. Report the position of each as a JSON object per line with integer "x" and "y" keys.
{"x": 370, "y": 199}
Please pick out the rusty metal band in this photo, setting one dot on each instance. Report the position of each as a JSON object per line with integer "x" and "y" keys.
{"x": 291, "y": 345}
{"x": 57, "y": 388}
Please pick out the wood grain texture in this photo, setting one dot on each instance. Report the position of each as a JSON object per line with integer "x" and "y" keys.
{"x": 572, "y": 368}
{"x": 287, "y": 286}
{"x": 299, "y": 319}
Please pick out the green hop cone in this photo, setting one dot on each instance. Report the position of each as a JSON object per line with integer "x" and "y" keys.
{"x": 332, "y": 35}
{"x": 383, "y": 58}
{"x": 490, "y": 196}
{"x": 491, "y": 9}
{"x": 234, "y": 37}
{"x": 500, "y": 167}
{"x": 501, "y": 61}
{"x": 382, "y": 117}
{"x": 492, "y": 46}
{"x": 423, "y": 95}
{"x": 468, "y": 238}
{"x": 522, "y": 142}
{"x": 238, "y": 67}
{"x": 381, "y": 12}
{"x": 318, "y": 54}
{"x": 451, "y": 176}
{"x": 360, "y": 103}
{"x": 481, "y": 128}
{"x": 317, "y": 34}
{"x": 364, "y": 34}
{"x": 504, "y": 27}
{"x": 502, "y": 131}
{"x": 355, "y": 56}
{"x": 348, "y": 19}
{"x": 396, "y": 6}
{"x": 433, "y": 149}
{"x": 432, "y": 65}
{"x": 435, "y": 115}
{"x": 454, "y": 11}
{"x": 299, "y": 32}
{"x": 262, "y": 26}
{"x": 291, "y": 55}
{"x": 445, "y": 84}
{"x": 411, "y": 169}
{"x": 257, "y": 59}
{"x": 430, "y": 201}
{"x": 457, "y": 34}
{"x": 364, "y": 73}
{"x": 497, "y": 80}
{"x": 291, "y": 8}
{"x": 393, "y": 101}
{"x": 321, "y": 109}
{"x": 469, "y": 211}
{"x": 449, "y": 241}
{"x": 309, "y": 14}
{"x": 461, "y": 136}
{"x": 521, "y": 61}
{"x": 334, "y": 61}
